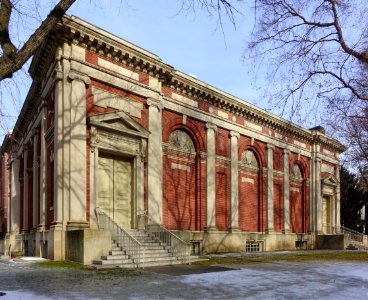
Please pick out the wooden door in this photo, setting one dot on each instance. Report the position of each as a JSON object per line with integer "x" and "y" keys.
{"x": 115, "y": 188}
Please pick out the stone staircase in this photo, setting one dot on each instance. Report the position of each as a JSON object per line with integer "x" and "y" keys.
{"x": 356, "y": 240}
{"x": 155, "y": 253}
{"x": 356, "y": 246}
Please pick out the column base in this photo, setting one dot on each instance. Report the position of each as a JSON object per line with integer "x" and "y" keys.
{"x": 234, "y": 230}
{"x": 74, "y": 225}
{"x": 210, "y": 229}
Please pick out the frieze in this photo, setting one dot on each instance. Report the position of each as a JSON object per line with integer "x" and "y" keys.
{"x": 85, "y": 35}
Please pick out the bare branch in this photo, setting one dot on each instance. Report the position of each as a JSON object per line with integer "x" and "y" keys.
{"x": 6, "y": 44}
{"x": 13, "y": 63}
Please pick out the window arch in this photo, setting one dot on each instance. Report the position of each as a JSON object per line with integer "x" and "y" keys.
{"x": 298, "y": 221}
{"x": 182, "y": 209}
{"x": 181, "y": 140}
{"x": 251, "y": 206}
{"x": 296, "y": 172}
{"x": 249, "y": 159}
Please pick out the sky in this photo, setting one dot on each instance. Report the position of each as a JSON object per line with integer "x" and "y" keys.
{"x": 190, "y": 40}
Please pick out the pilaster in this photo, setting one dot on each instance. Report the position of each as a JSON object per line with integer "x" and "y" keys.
{"x": 14, "y": 201}
{"x": 337, "y": 223}
{"x": 286, "y": 204}
{"x": 234, "y": 177}
{"x": 318, "y": 195}
{"x": 35, "y": 179}
{"x": 270, "y": 212}
{"x": 42, "y": 184}
{"x": 154, "y": 165}
{"x": 211, "y": 177}
{"x": 25, "y": 189}
{"x": 78, "y": 155}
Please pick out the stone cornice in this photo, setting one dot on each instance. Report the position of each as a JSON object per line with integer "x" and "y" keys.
{"x": 76, "y": 31}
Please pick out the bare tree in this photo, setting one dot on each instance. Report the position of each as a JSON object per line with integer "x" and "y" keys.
{"x": 314, "y": 51}
{"x": 12, "y": 57}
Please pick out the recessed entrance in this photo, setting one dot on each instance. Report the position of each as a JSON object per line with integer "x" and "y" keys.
{"x": 115, "y": 188}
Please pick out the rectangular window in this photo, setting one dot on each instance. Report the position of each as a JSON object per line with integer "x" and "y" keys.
{"x": 253, "y": 246}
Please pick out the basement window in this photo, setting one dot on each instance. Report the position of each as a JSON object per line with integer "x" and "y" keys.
{"x": 253, "y": 246}
{"x": 196, "y": 247}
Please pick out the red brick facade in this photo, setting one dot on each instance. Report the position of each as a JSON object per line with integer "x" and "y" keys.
{"x": 205, "y": 163}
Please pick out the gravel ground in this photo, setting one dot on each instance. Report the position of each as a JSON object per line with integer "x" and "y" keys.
{"x": 322, "y": 280}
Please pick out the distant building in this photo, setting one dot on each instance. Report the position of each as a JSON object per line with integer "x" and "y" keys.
{"x": 109, "y": 125}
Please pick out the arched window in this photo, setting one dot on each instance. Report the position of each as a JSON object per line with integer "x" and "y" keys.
{"x": 181, "y": 140}
{"x": 296, "y": 172}
{"x": 181, "y": 206}
{"x": 297, "y": 200}
{"x": 250, "y": 200}
{"x": 249, "y": 159}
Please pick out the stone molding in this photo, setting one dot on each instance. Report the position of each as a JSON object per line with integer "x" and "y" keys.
{"x": 234, "y": 134}
{"x": 211, "y": 126}
{"x": 78, "y": 76}
{"x": 155, "y": 103}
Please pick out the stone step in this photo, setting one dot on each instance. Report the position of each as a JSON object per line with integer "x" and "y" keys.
{"x": 112, "y": 261}
{"x": 148, "y": 247}
{"x": 162, "y": 263}
{"x": 116, "y": 256}
{"x": 116, "y": 252}
{"x": 155, "y": 253}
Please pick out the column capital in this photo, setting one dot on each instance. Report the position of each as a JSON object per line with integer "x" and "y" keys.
{"x": 211, "y": 126}
{"x": 155, "y": 103}
{"x": 234, "y": 134}
{"x": 79, "y": 76}
{"x": 318, "y": 160}
{"x": 270, "y": 146}
{"x": 286, "y": 151}
{"x": 35, "y": 132}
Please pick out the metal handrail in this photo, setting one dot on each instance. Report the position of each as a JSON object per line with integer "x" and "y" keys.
{"x": 175, "y": 245}
{"x": 352, "y": 234}
{"x": 133, "y": 247}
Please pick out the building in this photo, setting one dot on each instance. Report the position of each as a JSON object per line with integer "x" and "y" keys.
{"x": 109, "y": 125}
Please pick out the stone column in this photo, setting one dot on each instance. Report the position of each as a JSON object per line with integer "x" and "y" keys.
{"x": 270, "y": 212}
{"x": 211, "y": 177}
{"x": 154, "y": 167}
{"x": 234, "y": 177}
{"x": 140, "y": 177}
{"x": 40, "y": 235}
{"x": 59, "y": 164}
{"x": 312, "y": 223}
{"x": 35, "y": 179}
{"x": 78, "y": 155}
{"x": 25, "y": 189}
{"x": 337, "y": 201}
{"x": 42, "y": 184}
{"x": 9, "y": 192}
{"x": 93, "y": 179}
{"x": 14, "y": 201}
{"x": 56, "y": 237}
{"x": 286, "y": 204}
{"x": 318, "y": 195}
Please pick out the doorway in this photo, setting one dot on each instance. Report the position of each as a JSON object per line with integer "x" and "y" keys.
{"x": 115, "y": 193}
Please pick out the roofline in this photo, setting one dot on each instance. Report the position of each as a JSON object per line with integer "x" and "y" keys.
{"x": 78, "y": 31}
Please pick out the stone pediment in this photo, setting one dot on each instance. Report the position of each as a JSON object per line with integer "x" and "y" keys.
{"x": 329, "y": 180}
{"x": 119, "y": 123}
{"x": 329, "y": 184}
